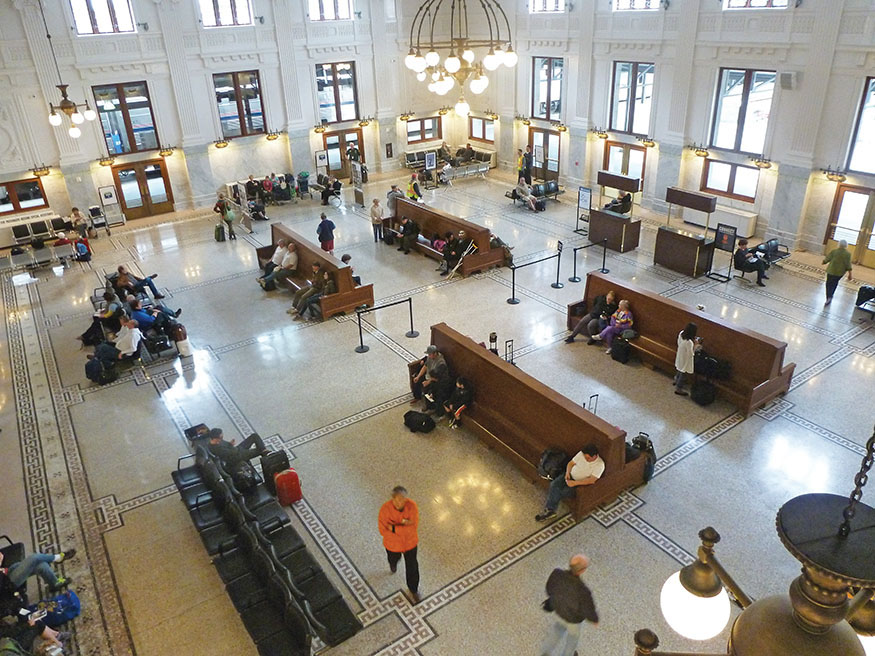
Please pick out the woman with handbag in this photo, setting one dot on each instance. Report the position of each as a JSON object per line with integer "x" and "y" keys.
{"x": 223, "y": 209}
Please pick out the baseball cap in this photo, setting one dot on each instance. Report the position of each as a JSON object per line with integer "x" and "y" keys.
{"x": 431, "y": 350}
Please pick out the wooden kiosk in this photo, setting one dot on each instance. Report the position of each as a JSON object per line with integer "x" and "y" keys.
{"x": 682, "y": 250}
{"x": 621, "y": 231}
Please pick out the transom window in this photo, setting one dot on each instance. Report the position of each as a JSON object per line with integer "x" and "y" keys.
{"x": 635, "y": 5}
{"x": 743, "y": 104}
{"x": 423, "y": 129}
{"x": 238, "y": 97}
{"x": 481, "y": 129}
{"x": 225, "y": 13}
{"x": 546, "y": 6}
{"x": 326, "y": 10}
{"x": 547, "y": 87}
{"x": 126, "y": 116}
{"x": 102, "y": 16}
{"x": 632, "y": 97}
{"x": 21, "y": 195}
{"x": 862, "y": 157}
{"x": 754, "y": 4}
{"x": 336, "y": 92}
{"x": 733, "y": 180}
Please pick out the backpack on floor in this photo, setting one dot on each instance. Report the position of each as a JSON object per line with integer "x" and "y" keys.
{"x": 866, "y": 293}
{"x": 540, "y": 204}
{"x": 553, "y": 463}
{"x": 178, "y": 332}
{"x": 389, "y": 238}
{"x": 620, "y": 350}
{"x": 272, "y": 464}
{"x": 244, "y": 476}
{"x": 703, "y": 392}
{"x": 220, "y": 232}
{"x": 97, "y": 372}
{"x": 642, "y": 443}
{"x": 418, "y": 422}
{"x": 60, "y": 609}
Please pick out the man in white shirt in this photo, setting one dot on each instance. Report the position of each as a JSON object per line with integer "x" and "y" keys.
{"x": 287, "y": 267}
{"x": 276, "y": 259}
{"x": 583, "y": 469}
{"x": 127, "y": 340}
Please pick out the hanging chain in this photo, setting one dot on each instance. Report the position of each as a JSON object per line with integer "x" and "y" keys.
{"x": 860, "y": 481}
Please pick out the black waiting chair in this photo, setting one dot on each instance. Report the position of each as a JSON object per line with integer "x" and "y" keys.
{"x": 21, "y": 233}
{"x": 40, "y": 230}
{"x": 58, "y": 225}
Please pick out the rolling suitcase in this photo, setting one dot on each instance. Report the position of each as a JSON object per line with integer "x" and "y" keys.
{"x": 620, "y": 350}
{"x": 220, "y": 232}
{"x": 703, "y": 392}
{"x": 288, "y": 487}
{"x": 272, "y": 464}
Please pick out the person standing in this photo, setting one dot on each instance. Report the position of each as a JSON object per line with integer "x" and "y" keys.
{"x": 838, "y": 262}
{"x": 685, "y": 360}
{"x": 571, "y": 601}
{"x": 527, "y": 165}
{"x": 520, "y": 164}
{"x": 392, "y": 197}
{"x": 223, "y": 209}
{"x": 413, "y": 192}
{"x": 377, "y": 220}
{"x": 399, "y": 522}
{"x": 325, "y": 232}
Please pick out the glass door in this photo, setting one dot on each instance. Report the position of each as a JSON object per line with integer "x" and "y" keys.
{"x": 853, "y": 219}
{"x": 144, "y": 188}
{"x": 545, "y": 154}
{"x": 337, "y": 143}
{"x": 625, "y": 159}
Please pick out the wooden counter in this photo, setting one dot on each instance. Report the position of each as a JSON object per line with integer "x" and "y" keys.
{"x": 682, "y": 251}
{"x": 621, "y": 230}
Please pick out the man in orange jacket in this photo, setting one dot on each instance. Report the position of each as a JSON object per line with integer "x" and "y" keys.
{"x": 398, "y": 522}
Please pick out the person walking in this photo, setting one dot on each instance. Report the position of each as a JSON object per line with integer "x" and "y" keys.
{"x": 685, "y": 360}
{"x": 398, "y": 522}
{"x": 377, "y": 220}
{"x": 325, "y": 232}
{"x": 413, "y": 192}
{"x": 392, "y": 197}
{"x": 223, "y": 209}
{"x": 838, "y": 262}
{"x": 571, "y": 601}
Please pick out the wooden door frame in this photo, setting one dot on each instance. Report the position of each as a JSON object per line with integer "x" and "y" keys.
{"x": 833, "y": 212}
{"x": 546, "y": 132}
{"x": 139, "y": 168}
{"x": 345, "y": 170}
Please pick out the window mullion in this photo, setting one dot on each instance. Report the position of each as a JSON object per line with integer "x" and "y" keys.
{"x": 92, "y": 16}
{"x": 238, "y": 97}
{"x": 731, "y": 183}
{"x": 336, "y": 78}
{"x": 126, "y": 117}
{"x": 549, "y": 86}
{"x": 633, "y": 86}
{"x": 218, "y": 21}
{"x": 112, "y": 17}
{"x": 742, "y": 112}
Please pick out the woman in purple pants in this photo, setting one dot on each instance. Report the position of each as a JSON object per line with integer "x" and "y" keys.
{"x": 620, "y": 320}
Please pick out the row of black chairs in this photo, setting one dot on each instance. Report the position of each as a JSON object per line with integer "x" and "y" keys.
{"x": 24, "y": 233}
{"x": 281, "y": 592}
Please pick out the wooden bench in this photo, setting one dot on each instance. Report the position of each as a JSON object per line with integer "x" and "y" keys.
{"x": 433, "y": 221}
{"x": 758, "y": 370}
{"x": 347, "y": 297}
{"x": 521, "y": 417}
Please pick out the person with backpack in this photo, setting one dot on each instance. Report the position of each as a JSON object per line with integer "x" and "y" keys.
{"x": 325, "y": 232}
{"x": 586, "y": 468}
{"x": 684, "y": 362}
{"x": 83, "y": 250}
{"x": 224, "y": 210}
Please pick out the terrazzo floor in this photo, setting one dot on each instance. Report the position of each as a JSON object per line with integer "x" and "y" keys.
{"x": 90, "y": 466}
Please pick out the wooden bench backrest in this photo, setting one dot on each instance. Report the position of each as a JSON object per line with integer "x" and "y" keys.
{"x": 308, "y": 252}
{"x": 754, "y": 357}
{"x": 532, "y": 416}
{"x": 433, "y": 221}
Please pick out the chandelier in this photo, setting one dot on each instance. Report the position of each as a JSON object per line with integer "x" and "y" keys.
{"x": 66, "y": 106}
{"x": 461, "y": 59}
{"x": 829, "y": 610}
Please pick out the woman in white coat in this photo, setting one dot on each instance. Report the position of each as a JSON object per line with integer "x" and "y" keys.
{"x": 684, "y": 361}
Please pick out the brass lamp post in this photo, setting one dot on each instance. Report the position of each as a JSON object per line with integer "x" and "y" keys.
{"x": 829, "y": 610}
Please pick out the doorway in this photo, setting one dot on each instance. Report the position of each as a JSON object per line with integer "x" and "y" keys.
{"x": 144, "y": 188}
{"x": 625, "y": 159}
{"x": 337, "y": 143}
{"x": 853, "y": 219}
{"x": 545, "y": 145}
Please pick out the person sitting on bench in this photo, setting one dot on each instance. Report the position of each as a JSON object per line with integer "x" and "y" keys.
{"x": 127, "y": 341}
{"x": 158, "y": 317}
{"x": 460, "y": 398}
{"x": 468, "y": 153}
{"x": 446, "y": 171}
{"x": 524, "y": 193}
{"x": 276, "y": 259}
{"x": 409, "y": 233}
{"x": 299, "y": 300}
{"x": 444, "y": 152}
{"x": 127, "y": 280}
{"x": 230, "y": 453}
{"x": 62, "y": 240}
{"x": 583, "y": 469}
{"x": 108, "y": 317}
{"x": 331, "y": 189}
{"x": 252, "y": 188}
{"x": 597, "y": 319}
{"x": 620, "y": 320}
{"x": 287, "y": 267}
{"x": 621, "y": 204}
{"x": 346, "y": 258}
{"x": 311, "y": 304}
{"x": 746, "y": 261}
{"x": 431, "y": 374}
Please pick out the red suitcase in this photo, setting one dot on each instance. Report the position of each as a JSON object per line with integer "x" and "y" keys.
{"x": 288, "y": 487}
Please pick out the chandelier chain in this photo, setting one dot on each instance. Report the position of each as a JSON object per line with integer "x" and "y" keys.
{"x": 49, "y": 37}
{"x": 860, "y": 481}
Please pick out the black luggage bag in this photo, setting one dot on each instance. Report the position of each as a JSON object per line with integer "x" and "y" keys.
{"x": 553, "y": 463}
{"x": 644, "y": 445}
{"x": 703, "y": 392}
{"x": 620, "y": 350}
{"x": 271, "y": 464}
{"x": 418, "y": 422}
{"x": 866, "y": 293}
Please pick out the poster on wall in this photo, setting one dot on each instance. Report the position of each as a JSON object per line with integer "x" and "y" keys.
{"x": 538, "y": 155}
{"x": 321, "y": 158}
{"x": 107, "y": 196}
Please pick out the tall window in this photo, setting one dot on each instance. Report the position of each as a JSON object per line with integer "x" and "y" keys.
{"x": 633, "y": 5}
{"x": 744, "y": 100}
{"x": 126, "y": 116}
{"x": 862, "y": 156}
{"x": 754, "y": 4}
{"x": 225, "y": 13}
{"x": 481, "y": 129}
{"x": 423, "y": 129}
{"x": 733, "y": 180}
{"x": 547, "y": 88}
{"x": 546, "y": 6}
{"x": 325, "y": 10}
{"x": 21, "y": 195}
{"x": 336, "y": 92}
{"x": 102, "y": 16}
{"x": 632, "y": 97}
{"x": 238, "y": 97}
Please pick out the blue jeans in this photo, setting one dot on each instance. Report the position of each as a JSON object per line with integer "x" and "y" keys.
{"x": 146, "y": 282}
{"x": 34, "y": 564}
{"x": 558, "y": 490}
{"x": 562, "y": 639}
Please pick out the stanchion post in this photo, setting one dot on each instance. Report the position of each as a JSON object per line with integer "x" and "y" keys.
{"x": 574, "y": 277}
{"x": 557, "y": 284}
{"x": 411, "y": 333}
{"x": 604, "y": 256}
{"x": 361, "y": 348}
{"x": 513, "y": 300}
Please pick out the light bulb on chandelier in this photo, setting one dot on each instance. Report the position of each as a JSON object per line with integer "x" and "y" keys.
{"x": 55, "y": 118}
{"x": 77, "y": 118}
{"x": 478, "y": 84}
{"x": 435, "y": 76}
{"x": 89, "y": 113}
{"x": 74, "y": 132}
{"x": 452, "y": 63}
{"x": 421, "y": 76}
{"x": 408, "y": 60}
{"x": 491, "y": 61}
{"x": 510, "y": 57}
{"x": 432, "y": 58}
{"x": 468, "y": 55}
{"x": 462, "y": 107}
{"x": 419, "y": 64}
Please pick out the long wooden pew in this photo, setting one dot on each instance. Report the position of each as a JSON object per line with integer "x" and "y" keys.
{"x": 758, "y": 370}
{"x": 348, "y": 296}
{"x": 433, "y": 221}
{"x": 520, "y": 417}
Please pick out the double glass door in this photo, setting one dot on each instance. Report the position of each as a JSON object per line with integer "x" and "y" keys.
{"x": 337, "y": 143}
{"x": 144, "y": 188}
{"x": 853, "y": 219}
{"x": 624, "y": 159}
{"x": 545, "y": 154}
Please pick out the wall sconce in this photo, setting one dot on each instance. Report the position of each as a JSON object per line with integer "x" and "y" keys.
{"x": 106, "y": 161}
{"x": 492, "y": 115}
{"x": 260, "y": 19}
{"x": 273, "y": 135}
{"x": 406, "y": 116}
{"x": 700, "y": 149}
{"x": 40, "y": 171}
{"x": 525, "y": 120}
{"x": 601, "y": 134}
{"x": 366, "y": 121}
{"x": 647, "y": 142}
{"x": 762, "y": 162}
{"x": 221, "y": 143}
{"x": 443, "y": 111}
{"x": 143, "y": 26}
{"x": 166, "y": 151}
{"x": 834, "y": 175}
{"x": 318, "y": 129}
{"x": 560, "y": 127}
